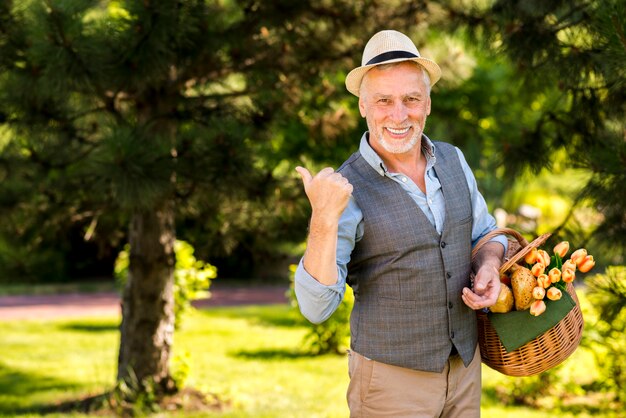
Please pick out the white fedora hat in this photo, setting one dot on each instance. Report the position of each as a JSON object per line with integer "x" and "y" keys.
{"x": 386, "y": 47}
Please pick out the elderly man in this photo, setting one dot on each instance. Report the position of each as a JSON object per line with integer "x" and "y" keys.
{"x": 397, "y": 222}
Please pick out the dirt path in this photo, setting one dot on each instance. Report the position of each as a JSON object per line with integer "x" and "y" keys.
{"x": 108, "y": 303}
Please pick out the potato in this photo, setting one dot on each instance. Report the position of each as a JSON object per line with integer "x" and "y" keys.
{"x": 523, "y": 282}
{"x": 505, "y": 300}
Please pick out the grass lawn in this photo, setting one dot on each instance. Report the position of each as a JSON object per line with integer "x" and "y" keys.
{"x": 249, "y": 356}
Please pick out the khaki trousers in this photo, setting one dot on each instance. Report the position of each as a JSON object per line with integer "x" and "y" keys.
{"x": 381, "y": 390}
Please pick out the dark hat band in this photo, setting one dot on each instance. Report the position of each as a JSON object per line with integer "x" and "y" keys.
{"x": 391, "y": 55}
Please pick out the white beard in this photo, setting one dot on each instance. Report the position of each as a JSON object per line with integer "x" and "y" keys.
{"x": 398, "y": 147}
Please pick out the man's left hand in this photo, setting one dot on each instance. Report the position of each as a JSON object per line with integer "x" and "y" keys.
{"x": 486, "y": 288}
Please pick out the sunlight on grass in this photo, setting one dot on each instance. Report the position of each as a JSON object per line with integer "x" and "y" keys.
{"x": 248, "y": 356}
{"x": 252, "y": 357}
{"x": 45, "y": 362}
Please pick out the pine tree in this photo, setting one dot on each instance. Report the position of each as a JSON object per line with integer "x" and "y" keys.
{"x": 578, "y": 50}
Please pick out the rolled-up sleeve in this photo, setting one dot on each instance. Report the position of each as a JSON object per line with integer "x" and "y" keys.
{"x": 317, "y": 301}
{"x": 484, "y": 222}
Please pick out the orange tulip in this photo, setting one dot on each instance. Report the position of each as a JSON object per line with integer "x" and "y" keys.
{"x": 543, "y": 257}
{"x": 537, "y": 307}
{"x": 538, "y": 269}
{"x": 561, "y": 248}
{"x": 578, "y": 255}
{"x": 539, "y": 292}
{"x": 569, "y": 264}
{"x": 554, "y": 274}
{"x": 586, "y": 264}
{"x": 554, "y": 294}
{"x": 531, "y": 257}
{"x": 568, "y": 275}
{"x": 544, "y": 281}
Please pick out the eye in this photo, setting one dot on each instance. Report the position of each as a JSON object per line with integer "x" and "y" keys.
{"x": 412, "y": 99}
{"x": 383, "y": 101}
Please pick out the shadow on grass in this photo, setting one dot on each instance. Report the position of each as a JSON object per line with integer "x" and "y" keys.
{"x": 277, "y": 316}
{"x": 16, "y": 386}
{"x": 17, "y": 391}
{"x": 273, "y": 354}
{"x": 84, "y": 327}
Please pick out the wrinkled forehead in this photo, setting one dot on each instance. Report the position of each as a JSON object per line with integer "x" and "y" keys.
{"x": 406, "y": 77}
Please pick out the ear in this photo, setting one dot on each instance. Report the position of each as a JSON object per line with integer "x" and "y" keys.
{"x": 428, "y": 107}
{"x": 362, "y": 107}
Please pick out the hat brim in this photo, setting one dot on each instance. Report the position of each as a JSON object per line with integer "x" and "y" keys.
{"x": 354, "y": 77}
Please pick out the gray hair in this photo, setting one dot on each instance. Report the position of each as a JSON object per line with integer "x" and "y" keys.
{"x": 394, "y": 64}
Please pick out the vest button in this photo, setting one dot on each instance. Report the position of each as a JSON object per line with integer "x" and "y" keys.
{"x": 448, "y": 275}
{"x": 443, "y": 244}
{"x": 450, "y": 305}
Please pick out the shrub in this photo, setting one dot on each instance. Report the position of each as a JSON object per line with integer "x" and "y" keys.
{"x": 192, "y": 277}
{"x": 607, "y": 292}
{"x": 332, "y": 335}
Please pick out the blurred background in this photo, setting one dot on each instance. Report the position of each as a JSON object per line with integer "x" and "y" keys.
{"x": 148, "y": 148}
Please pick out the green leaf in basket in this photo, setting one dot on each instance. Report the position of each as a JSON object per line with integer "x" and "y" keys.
{"x": 555, "y": 261}
{"x": 516, "y": 328}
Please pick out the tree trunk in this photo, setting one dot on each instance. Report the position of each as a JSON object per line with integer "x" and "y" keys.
{"x": 147, "y": 328}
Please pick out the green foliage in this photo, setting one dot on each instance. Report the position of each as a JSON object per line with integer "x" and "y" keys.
{"x": 529, "y": 390}
{"x": 181, "y": 368}
{"x": 608, "y": 294}
{"x": 109, "y": 106}
{"x": 332, "y": 335}
{"x": 485, "y": 113}
{"x": 192, "y": 277}
{"x": 132, "y": 397}
{"x": 569, "y": 56}
{"x": 18, "y": 264}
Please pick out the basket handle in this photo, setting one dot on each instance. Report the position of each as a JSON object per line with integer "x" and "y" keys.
{"x": 524, "y": 244}
{"x": 498, "y": 231}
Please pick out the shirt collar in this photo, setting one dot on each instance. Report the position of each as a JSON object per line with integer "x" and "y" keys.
{"x": 372, "y": 158}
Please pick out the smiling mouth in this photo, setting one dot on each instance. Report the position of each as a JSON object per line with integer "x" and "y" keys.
{"x": 398, "y": 131}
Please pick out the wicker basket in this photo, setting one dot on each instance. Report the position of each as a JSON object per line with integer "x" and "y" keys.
{"x": 545, "y": 351}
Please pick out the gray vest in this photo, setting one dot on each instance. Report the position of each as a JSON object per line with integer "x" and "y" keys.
{"x": 407, "y": 279}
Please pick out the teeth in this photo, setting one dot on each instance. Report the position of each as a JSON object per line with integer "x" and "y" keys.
{"x": 398, "y": 131}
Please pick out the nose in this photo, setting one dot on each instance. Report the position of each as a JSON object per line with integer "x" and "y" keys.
{"x": 399, "y": 112}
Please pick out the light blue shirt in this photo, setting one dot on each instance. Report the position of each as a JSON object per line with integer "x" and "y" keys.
{"x": 317, "y": 301}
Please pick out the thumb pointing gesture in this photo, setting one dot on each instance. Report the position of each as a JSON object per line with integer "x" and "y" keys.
{"x": 306, "y": 176}
{"x": 328, "y": 191}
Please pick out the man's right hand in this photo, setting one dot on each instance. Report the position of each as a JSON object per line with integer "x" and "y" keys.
{"x": 328, "y": 192}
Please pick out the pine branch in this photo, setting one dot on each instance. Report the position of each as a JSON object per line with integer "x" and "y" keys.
{"x": 87, "y": 112}
{"x": 66, "y": 44}
{"x": 579, "y": 8}
{"x": 618, "y": 30}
